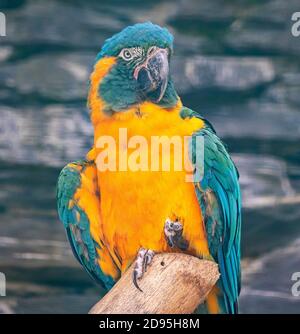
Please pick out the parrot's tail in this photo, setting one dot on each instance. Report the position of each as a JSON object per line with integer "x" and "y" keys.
{"x": 218, "y": 303}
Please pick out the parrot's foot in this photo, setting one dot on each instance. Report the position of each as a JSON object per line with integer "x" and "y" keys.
{"x": 173, "y": 233}
{"x": 143, "y": 260}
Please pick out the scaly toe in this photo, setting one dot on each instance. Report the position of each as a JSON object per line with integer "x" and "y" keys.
{"x": 143, "y": 260}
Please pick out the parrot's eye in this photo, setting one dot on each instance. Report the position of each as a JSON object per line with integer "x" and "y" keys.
{"x": 131, "y": 53}
{"x": 126, "y": 54}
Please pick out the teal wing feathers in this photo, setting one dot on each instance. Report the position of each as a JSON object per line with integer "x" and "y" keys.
{"x": 77, "y": 224}
{"x": 218, "y": 193}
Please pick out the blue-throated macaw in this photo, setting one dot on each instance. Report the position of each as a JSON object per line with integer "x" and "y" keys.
{"x": 113, "y": 217}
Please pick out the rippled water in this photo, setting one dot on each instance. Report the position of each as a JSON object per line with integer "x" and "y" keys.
{"x": 235, "y": 62}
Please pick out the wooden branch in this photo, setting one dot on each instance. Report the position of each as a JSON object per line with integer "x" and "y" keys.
{"x": 173, "y": 284}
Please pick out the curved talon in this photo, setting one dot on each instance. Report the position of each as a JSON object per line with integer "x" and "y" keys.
{"x": 134, "y": 280}
{"x": 144, "y": 259}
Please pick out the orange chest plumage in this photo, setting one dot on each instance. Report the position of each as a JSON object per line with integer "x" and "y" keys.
{"x": 136, "y": 203}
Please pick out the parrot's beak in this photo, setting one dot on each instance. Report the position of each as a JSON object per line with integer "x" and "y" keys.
{"x": 153, "y": 74}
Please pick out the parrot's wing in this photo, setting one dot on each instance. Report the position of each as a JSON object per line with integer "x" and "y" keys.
{"x": 219, "y": 196}
{"x": 79, "y": 210}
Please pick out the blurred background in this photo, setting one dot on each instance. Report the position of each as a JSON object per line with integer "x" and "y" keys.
{"x": 236, "y": 62}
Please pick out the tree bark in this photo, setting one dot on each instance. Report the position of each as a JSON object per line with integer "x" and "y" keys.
{"x": 174, "y": 284}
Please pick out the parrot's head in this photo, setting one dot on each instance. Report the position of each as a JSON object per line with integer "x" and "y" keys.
{"x": 133, "y": 67}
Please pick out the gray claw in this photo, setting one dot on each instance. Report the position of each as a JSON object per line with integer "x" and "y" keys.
{"x": 134, "y": 279}
{"x": 143, "y": 260}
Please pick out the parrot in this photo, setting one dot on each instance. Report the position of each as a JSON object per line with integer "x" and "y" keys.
{"x": 115, "y": 218}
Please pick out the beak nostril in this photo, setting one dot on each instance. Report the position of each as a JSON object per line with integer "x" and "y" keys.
{"x": 143, "y": 77}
